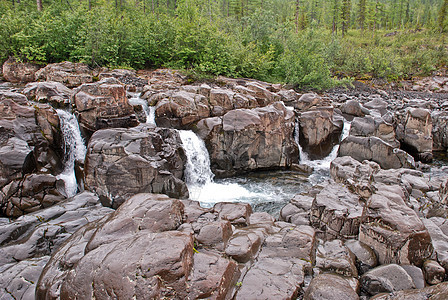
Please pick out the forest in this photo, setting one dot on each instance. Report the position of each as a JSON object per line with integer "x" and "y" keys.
{"x": 305, "y": 43}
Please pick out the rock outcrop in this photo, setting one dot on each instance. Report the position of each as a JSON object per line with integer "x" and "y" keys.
{"x": 103, "y": 104}
{"x": 243, "y": 140}
{"x": 55, "y": 93}
{"x": 30, "y": 143}
{"x": 68, "y": 73}
{"x": 124, "y": 162}
{"x": 19, "y": 72}
{"x": 375, "y": 149}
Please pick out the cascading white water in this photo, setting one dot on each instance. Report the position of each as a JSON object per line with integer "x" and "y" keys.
{"x": 74, "y": 149}
{"x": 199, "y": 177}
{"x": 149, "y": 110}
{"x": 321, "y": 164}
{"x": 197, "y": 170}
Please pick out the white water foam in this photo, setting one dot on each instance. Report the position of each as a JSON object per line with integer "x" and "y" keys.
{"x": 199, "y": 177}
{"x": 74, "y": 149}
{"x": 150, "y": 111}
{"x": 321, "y": 164}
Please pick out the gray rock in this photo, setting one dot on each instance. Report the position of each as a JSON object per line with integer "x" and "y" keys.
{"x": 281, "y": 265}
{"x": 55, "y": 93}
{"x": 334, "y": 257}
{"x": 14, "y": 71}
{"x": 124, "y": 162}
{"x": 244, "y": 140}
{"x": 354, "y": 108}
{"x": 215, "y": 234}
{"x": 375, "y": 149}
{"x": 243, "y": 246}
{"x": 393, "y": 229}
{"x": 336, "y": 212}
{"x": 439, "y": 239}
{"x": 236, "y": 213}
{"x": 212, "y": 277}
{"x": 416, "y": 274}
{"x": 436, "y": 292}
{"x": 329, "y": 287}
{"x": 374, "y": 126}
{"x": 434, "y": 273}
{"x": 365, "y": 257}
{"x": 68, "y": 73}
{"x": 180, "y": 109}
{"x": 103, "y": 104}
{"x": 18, "y": 281}
{"x": 386, "y": 278}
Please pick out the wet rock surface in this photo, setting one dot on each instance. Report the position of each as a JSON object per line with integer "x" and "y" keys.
{"x": 244, "y": 140}
{"x": 103, "y": 104}
{"x": 376, "y": 229}
{"x": 123, "y": 162}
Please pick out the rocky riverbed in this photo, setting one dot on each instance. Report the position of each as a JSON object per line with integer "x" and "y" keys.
{"x": 100, "y": 169}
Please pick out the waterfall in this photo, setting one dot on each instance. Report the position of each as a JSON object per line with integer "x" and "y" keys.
{"x": 321, "y": 164}
{"x": 197, "y": 169}
{"x": 199, "y": 176}
{"x": 74, "y": 149}
{"x": 150, "y": 111}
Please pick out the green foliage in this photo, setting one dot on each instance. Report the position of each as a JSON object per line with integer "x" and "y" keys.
{"x": 250, "y": 38}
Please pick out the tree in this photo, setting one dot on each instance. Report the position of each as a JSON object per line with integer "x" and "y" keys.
{"x": 345, "y": 16}
{"x": 362, "y": 14}
{"x": 335, "y": 13}
{"x": 442, "y": 15}
{"x": 39, "y": 5}
{"x": 297, "y": 15}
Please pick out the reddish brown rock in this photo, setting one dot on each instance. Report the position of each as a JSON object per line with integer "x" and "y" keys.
{"x": 244, "y": 140}
{"x": 68, "y": 73}
{"x": 393, "y": 229}
{"x": 123, "y": 162}
{"x": 14, "y": 71}
{"x": 103, "y": 104}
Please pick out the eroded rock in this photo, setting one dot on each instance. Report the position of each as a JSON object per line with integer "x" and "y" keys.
{"x": 123, "y": 162}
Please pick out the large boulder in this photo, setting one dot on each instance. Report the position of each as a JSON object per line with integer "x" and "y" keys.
{"x": 68, "y": 73}
{"x": 55, "y": 93}
{"x": 318, "y": 131}
{"x": 180, "y": 109}
{"x": 103, "y": 104}
{"x": 138, "y": 242}
{"x": 354, "y": 108}
{"x": 283, "y": 262}
{"x": 337, "y": 212}
{"x": 30, "y": 142}
{"x": 122, "y": 162}
{"x": 415, "y": 132}
{"x": 244, "y": 140}
{"x": 374, "y": 126}
{"x": 440, "y": 130}
{"x": 393, "y": 229}
{"x": 14, "y": 71}
{"x": 330, "y": 287}
{"x": 386, "y": 279}
{"x": 375, "y": 149}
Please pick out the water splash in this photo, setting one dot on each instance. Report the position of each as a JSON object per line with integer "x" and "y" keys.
{"x": 324, "y": 163}
{"x": 74, "y": 149}
{"x": 199, "y": 176}
{"x": 150, "y": 111}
